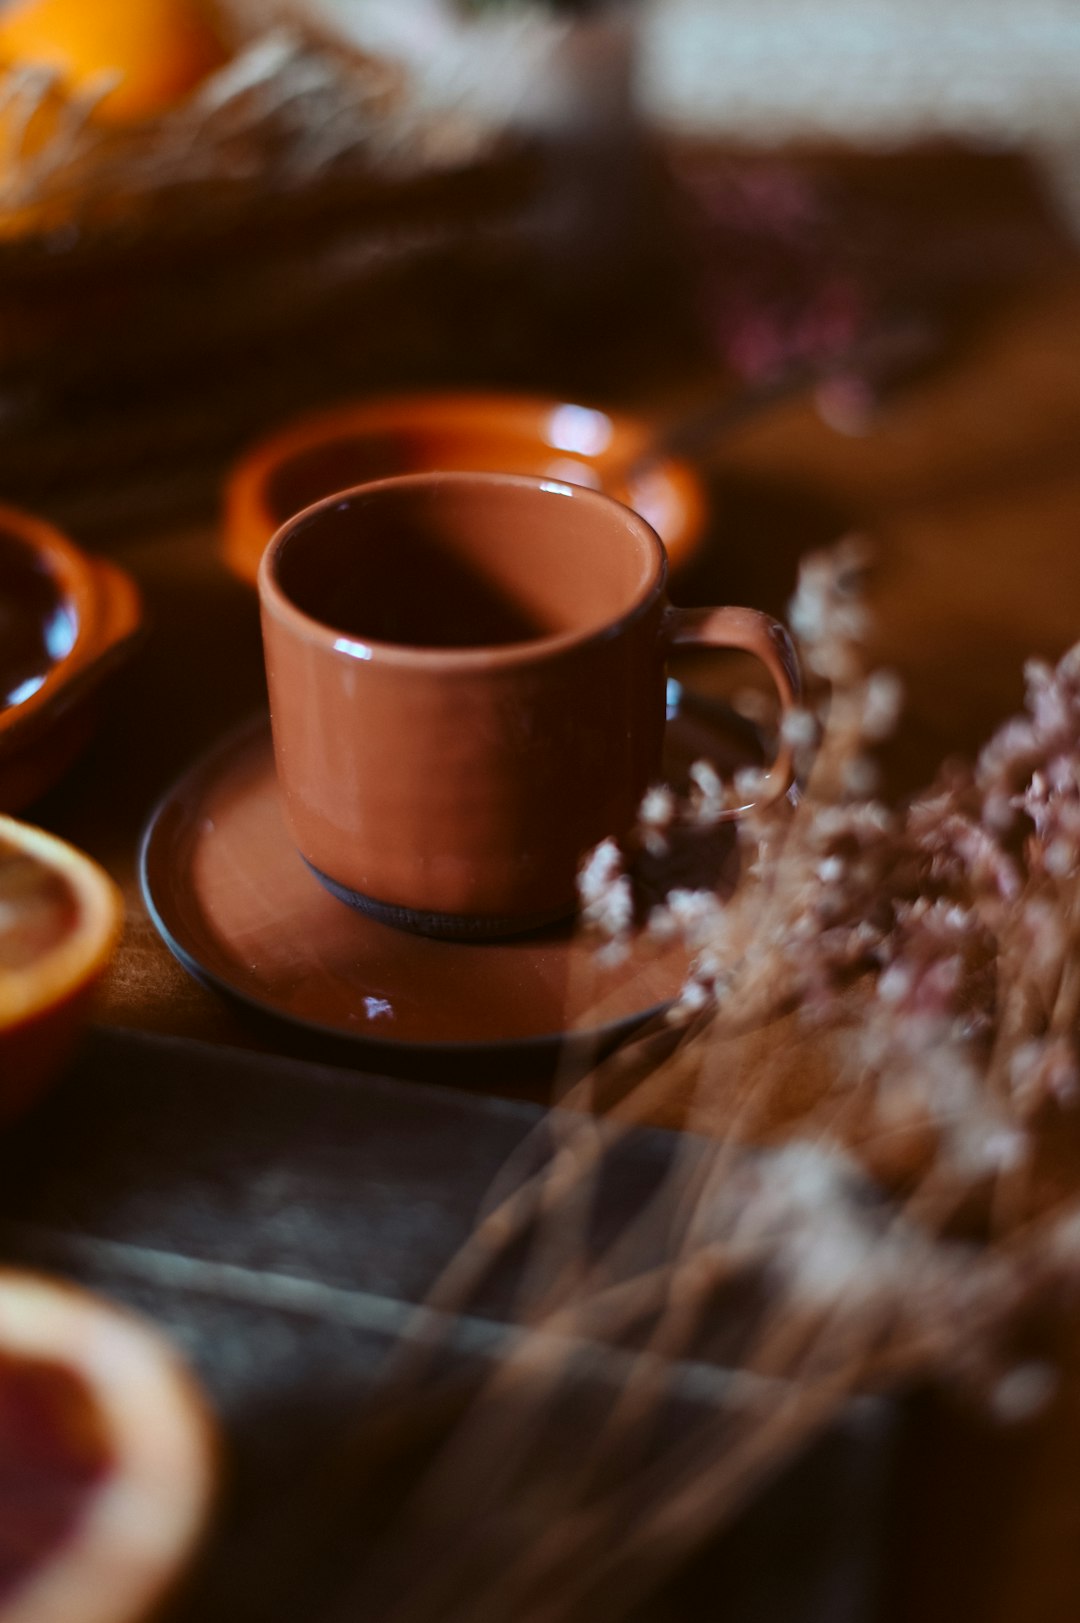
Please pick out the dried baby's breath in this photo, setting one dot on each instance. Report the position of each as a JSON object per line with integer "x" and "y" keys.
{"x": 879, "y": 1047}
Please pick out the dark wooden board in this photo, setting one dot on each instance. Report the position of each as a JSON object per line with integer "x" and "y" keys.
{"x": 280, "y": 1221}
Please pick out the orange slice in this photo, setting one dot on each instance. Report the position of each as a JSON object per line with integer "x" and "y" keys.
{"x": 153, "y": 52}
{"x": 60, "y": 919}
{"x": 107, "y": 1463}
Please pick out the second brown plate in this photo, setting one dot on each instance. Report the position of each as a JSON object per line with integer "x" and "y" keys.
{"x": 238, "y": 907}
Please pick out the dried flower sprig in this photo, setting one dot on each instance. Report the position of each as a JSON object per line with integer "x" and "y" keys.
{"x": 960, "y": 915}
{"x": 879, "y": 1048}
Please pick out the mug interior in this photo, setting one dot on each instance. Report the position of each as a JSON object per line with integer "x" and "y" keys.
{"x": 466, "y": 561}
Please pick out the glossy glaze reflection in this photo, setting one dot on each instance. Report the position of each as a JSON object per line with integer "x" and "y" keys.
{"x": 66, "y": 621}
{"x": 37, "y": 623}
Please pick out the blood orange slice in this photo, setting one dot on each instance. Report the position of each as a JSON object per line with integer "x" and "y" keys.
{"x": 60, "y": 918}
{"x": 106, "y": 1459}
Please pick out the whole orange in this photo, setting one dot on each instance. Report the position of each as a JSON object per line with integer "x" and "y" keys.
{"x": 157, "y": 51}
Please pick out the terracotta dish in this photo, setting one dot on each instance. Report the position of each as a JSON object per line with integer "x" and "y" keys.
{"x": 60, "y": 918}
{"x": 66, "y": 621}
{"x": 237, "y": 906}
{"x": 473, "y": 433}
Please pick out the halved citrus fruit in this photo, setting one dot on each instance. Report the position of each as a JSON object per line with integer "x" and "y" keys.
{"x": 60, "y": 919}
{"x": 146, "y": 55}
{"x": 107, "y": 1460}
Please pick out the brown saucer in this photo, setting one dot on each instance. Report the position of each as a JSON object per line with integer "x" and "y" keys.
{"x": 237, "y": 906}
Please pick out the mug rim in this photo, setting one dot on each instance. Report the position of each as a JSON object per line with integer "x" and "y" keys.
{"x": 275, "y": 601}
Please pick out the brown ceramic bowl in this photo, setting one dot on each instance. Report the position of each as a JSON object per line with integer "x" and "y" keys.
{"x": 472, "y": 433}
{"x": 66, "y": 620}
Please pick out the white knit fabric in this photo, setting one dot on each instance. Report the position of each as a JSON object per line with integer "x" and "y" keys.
{"x": 875, "y": 72}
{"x": 872, "y": 73}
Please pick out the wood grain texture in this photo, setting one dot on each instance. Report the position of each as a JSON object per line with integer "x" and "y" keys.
{"x": 284, "y": 1222}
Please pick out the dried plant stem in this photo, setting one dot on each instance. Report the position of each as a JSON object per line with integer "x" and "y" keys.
{"x": 872, "y": 1196}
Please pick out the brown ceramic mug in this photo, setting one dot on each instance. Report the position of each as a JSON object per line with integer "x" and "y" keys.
{"x": 467, "y": 690}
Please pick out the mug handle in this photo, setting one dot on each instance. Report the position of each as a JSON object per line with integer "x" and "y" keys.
{"x": 753, "y": 633}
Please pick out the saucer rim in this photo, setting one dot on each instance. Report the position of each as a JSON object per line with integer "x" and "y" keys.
{"x": 599, "y": 1039}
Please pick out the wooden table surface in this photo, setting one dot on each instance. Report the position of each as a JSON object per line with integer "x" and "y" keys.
{"x": 969, "y": 482}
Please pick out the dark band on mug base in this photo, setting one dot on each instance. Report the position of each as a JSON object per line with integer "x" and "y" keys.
{"x": 443, "y": 926}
